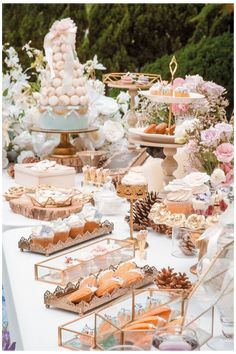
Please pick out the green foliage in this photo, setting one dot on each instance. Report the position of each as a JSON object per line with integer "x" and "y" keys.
{"x": 212, "y": 58}
{"x": 25, "y": 22}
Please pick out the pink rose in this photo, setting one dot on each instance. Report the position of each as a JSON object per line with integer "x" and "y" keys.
{"x": 213, "y": 89}
{"x": 224, "y": 129}
{"x": 209, "y": 136}
{"x": 178, "y": 82}
{"x": 193, "y": 82}
{"x": 179, "y": 108}
{"x": 229, "y": 173}
{"x": 225, "y": 152}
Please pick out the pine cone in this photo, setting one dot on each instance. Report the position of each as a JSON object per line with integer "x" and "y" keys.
{"x": 11, "y": 170}
{"x": 168, "y": 279}
{"x": 187, "y": 246}
{"x": 161, "y": 228}
{"x": 30, "y": 159}
{"x": 142, "y": 209}
{"x": 102, "y": 161}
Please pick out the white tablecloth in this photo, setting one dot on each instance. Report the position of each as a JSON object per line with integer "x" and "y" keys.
{"x": 33, "y": 326}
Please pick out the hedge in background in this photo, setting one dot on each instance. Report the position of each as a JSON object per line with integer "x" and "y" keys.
{"x": 212, "y": 58}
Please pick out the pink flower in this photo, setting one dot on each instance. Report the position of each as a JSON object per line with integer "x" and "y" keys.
{"x": 229, "y": 173}
{"x": 209, "y": 136}
{"x": 212, "y": 89}
{"x": 225, "y": 152}
{"x": 179, "y": 108}
{"x": 193, "y": 81}
{"x": 178, "y": 82}
{"x": 224, "y": 129}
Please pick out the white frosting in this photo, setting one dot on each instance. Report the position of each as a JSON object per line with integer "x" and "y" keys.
{"x": 59, "y": 226}
{"x": 74, "y": 220}
{"x": 197, "y": 180}
{"x": 44, "y": 165}
{"x": 178, "y": 191}
{"x": 134, "y": 178}
{"x": 42, "y": 231}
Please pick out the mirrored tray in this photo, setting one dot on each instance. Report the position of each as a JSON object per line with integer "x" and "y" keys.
{"x": 25, "y": 244}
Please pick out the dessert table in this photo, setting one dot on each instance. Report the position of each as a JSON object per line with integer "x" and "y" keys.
{"x": 31, "y": 325}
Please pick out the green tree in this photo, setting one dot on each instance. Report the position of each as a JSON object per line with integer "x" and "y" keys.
{"x": 212, "y": 58}
{"x": 25, "y": 22}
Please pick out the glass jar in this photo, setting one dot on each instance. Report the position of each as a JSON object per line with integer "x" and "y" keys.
{"x": 182, "y": 244}
{"x": 176, "y": 338}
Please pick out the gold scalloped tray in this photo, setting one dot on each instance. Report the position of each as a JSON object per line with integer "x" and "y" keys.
{"x": 59, "y": 298}
{"x": 27, "y": 245}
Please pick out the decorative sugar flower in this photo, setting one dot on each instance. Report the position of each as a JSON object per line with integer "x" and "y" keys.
{"x": 210, "y": 137}
{"x": 113, "y": 131}
{"x": 225, "y": 152}
{"x": 224, "y": 129}
{"x": 217, "y": 177}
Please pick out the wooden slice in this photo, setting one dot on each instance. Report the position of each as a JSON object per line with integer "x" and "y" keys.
{"x": 24, "y": 206}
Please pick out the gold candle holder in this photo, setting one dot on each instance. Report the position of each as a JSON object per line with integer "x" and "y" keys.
{"x": 132, "y": 193}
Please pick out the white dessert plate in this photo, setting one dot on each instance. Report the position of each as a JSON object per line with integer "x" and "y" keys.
{"x": 156, "y": 138}
{"x": 171, "y": 99}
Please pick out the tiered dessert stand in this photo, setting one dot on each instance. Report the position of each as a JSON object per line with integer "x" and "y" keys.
{"x": 165, "y": 142}
{"x": 65, "y": 153}
{"x": 113, "y": 80}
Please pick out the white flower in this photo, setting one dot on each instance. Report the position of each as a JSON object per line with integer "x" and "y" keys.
{"x": 24, "y": 140}
{"x": 96, "y": 64}
{"x": 4, "y": 159}
{"x": 123, "y": 97}
{"x": 113, "y": 131}
{"x": 23, "y": 154}
{"x": 97, "y": 138}
{"x": 217, "y": 177}
{"x": 97, "y": 85}
{"x": 43, "y": 145}
{"x": 180, "y": 130}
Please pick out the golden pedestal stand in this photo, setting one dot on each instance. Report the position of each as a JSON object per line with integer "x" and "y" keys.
{"x": 65, "y": 153}
{"x": 113, "y": 80}
{"x": 132, "y": 193}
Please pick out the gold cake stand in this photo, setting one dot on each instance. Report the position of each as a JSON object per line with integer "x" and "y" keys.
{"x": 64, "y": 148}
{"x": 113, "y": 80}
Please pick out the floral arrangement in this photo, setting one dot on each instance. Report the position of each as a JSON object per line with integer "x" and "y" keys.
{"x": 212, "y": 151}
{"x": 20, "y": 111}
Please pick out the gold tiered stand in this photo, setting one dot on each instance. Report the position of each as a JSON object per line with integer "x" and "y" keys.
{"x": 113, "y": 80}
{"x": 65, "y": 153}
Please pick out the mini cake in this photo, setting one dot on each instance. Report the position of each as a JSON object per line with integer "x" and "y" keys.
{"x": 179, "y": 197}
{"x": 202, "y": 204}
{"x": 63, "y": 94}
{"x": 92, "y": 218}
{"x": 61, "y": 230}
{"x": 127, "y": 79}
{"x": 42, "y": 235}
{"x": 181, "y": 91}
{"x": 76, "y": 225}
{"x": 167, "y": 90}
{"x": 143, "y": 80}
{"x": 156, "y": 89}
{"x": 134, "y": 177}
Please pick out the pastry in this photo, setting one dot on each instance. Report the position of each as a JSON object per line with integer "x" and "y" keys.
{"x": 179, "y": 197}
{"x": 197, "y": 182}
{"x": 195, "y": 222}
{"x": 124, "y": 267}
{"x": 126, "y": 79}
{"x": 156, "y": 89}
{"x": 61, "y": 230}
{"x": 76, "y": 225}
{"x": 42, "y": 235}
{"x": 91, "y": 217}
{"x": 143, "y": 80}
{"x": 132, "y": 276}
{"x": 88, "y": 281}
{"x": 171, "y": 130}
{"x": 109, "y": 286}
{"x": 201, "y": 203}
{"x": 163, "y": 312}
{"x": 105, "y": 276}
{"x": 167, "y": 90}
{"x": 91, "y": 225}
{"x": 161, "y": 128}
{"x": 83, "y": 294}
{"x": 151, "y": 129}
{"x": 181, "y": 91}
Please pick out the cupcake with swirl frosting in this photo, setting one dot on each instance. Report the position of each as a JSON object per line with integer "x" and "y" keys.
{"x": 179, "y": 197}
